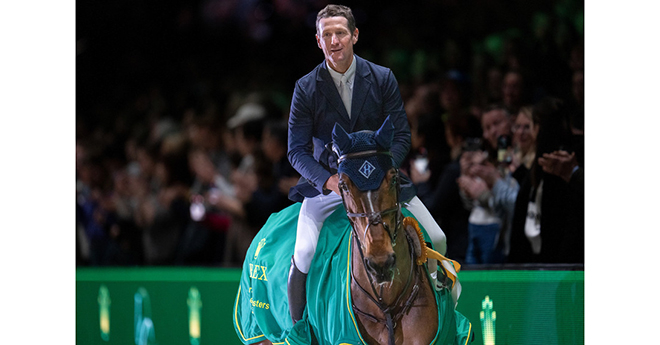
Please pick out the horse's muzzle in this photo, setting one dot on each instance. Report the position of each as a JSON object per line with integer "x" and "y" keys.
{"x": 383, "y": 272}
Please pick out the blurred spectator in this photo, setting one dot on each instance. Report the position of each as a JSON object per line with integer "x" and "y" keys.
{"x": 496, "y": 122}
{"x": 203, "y": 239}
{"x": 91, "y": 185}
{"x": 504, "y": 183}
{"x": 274, "y": 146}
{"x": 205, "y": 133}
{"x": 429, "y": 152}
{"x": 525, "y": 129}
{"x": 246, "y": 178}
{"x": 166, "y": 212}
{"x": 548, "y": 224}
{"x": 443, "y": 200}
{"x": 109, "y": 235}
{"x": 217, "y": 208}
{"x": 263, "y": 188}
{"x": 487, "y": 191}
{"x": 124, "y": 203}
{"x": 453, "y": 95}
{"x": 423, "y": 101}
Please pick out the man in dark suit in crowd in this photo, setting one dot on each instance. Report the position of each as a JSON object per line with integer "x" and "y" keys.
{"x": 358, "y": 95}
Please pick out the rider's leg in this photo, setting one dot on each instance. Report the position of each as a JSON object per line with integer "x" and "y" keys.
{"x": 424, "y": 217}
{"x": 438, "y": 238}
{"x": 313, "y": 213}
{"x": 296, "y": 291}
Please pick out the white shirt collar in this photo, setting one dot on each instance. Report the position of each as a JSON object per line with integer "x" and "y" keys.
{"x": 350, "y": 74}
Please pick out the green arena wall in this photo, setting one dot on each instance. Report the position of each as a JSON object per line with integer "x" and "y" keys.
{"x": 195, "y": 306}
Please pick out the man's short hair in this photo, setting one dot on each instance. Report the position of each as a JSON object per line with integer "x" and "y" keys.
{"x": 497, "y": 106}
{"x": 336, "y": 11}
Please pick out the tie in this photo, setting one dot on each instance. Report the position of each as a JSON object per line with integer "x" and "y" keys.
{"x": 345, "y": 93}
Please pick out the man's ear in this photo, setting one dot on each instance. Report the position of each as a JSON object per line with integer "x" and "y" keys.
{"x": 318, "y": 41}
{"x": 355, "y": 35}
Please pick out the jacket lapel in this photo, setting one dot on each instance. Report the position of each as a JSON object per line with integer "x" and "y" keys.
{"x": 361, "y": 87}
{"x": 327, "y": 86}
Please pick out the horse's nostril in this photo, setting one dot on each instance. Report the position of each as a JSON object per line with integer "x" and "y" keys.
{"x": 383, "y": 271}
{"x": 391, "y": 261}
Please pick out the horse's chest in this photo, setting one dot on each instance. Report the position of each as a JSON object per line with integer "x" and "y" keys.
{"x": 417, "y": 327}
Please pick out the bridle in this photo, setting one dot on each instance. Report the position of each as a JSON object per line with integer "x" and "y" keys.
{"x": 375, "y": 218}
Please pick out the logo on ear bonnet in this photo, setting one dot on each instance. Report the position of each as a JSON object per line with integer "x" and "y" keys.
{"x": 366, "y": 169}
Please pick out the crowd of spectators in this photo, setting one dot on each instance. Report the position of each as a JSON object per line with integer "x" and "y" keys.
{"x": 182, "y": 165}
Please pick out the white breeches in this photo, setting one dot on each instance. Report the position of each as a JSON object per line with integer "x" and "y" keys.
{"x": 314, "y": 211}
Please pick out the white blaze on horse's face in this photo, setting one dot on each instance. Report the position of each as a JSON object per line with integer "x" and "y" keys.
{"x": 376, "y": 243}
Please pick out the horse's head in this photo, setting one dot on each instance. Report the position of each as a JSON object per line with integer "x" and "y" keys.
{"x": 368, "y": 181}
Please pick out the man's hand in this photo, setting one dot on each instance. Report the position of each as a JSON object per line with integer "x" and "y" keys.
{"x": 472, "y": 187}
{"x": 487, "y": 172}
{"x": 559, "y": 163}
{"x": 332, "y": 184}
{"x": 466, "y": 161}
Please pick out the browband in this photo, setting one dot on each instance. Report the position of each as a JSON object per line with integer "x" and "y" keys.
{"x": 362, "y": 154}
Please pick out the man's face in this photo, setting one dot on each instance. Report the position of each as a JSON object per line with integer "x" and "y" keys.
{"x": 495, "y": 123}
{"x": 336, "y": 41}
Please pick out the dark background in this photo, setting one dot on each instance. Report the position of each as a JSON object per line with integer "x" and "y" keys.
{"x": 207, "y": 51}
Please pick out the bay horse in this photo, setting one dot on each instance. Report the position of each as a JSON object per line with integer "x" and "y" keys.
{"x": 393, "y": 299}
{"x": 392, "y": 295}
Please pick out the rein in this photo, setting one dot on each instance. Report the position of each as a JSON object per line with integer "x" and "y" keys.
{"x": 390, "y": 320}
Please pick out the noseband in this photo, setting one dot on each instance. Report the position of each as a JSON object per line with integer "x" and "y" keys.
{"x": 376, "y": 218}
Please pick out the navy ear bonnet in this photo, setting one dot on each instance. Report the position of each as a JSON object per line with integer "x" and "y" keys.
{"x": 365, "y": 171}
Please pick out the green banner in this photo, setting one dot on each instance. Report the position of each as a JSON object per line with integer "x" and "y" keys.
{"x": 195, "y": 306}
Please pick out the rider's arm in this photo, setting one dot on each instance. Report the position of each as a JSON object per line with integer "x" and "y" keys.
{"x": 300, "y": 146}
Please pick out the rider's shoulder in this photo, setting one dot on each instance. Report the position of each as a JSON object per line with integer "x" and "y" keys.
{"x": 311, "y": 77}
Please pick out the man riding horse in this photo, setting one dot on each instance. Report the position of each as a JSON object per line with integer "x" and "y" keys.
{"x": 368, "y": 281}
{"x": 358, "y": 95}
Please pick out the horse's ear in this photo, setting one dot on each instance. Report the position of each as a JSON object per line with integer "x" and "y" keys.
{"x": 385, "y": 134}
{"x": 340, "y": 138}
